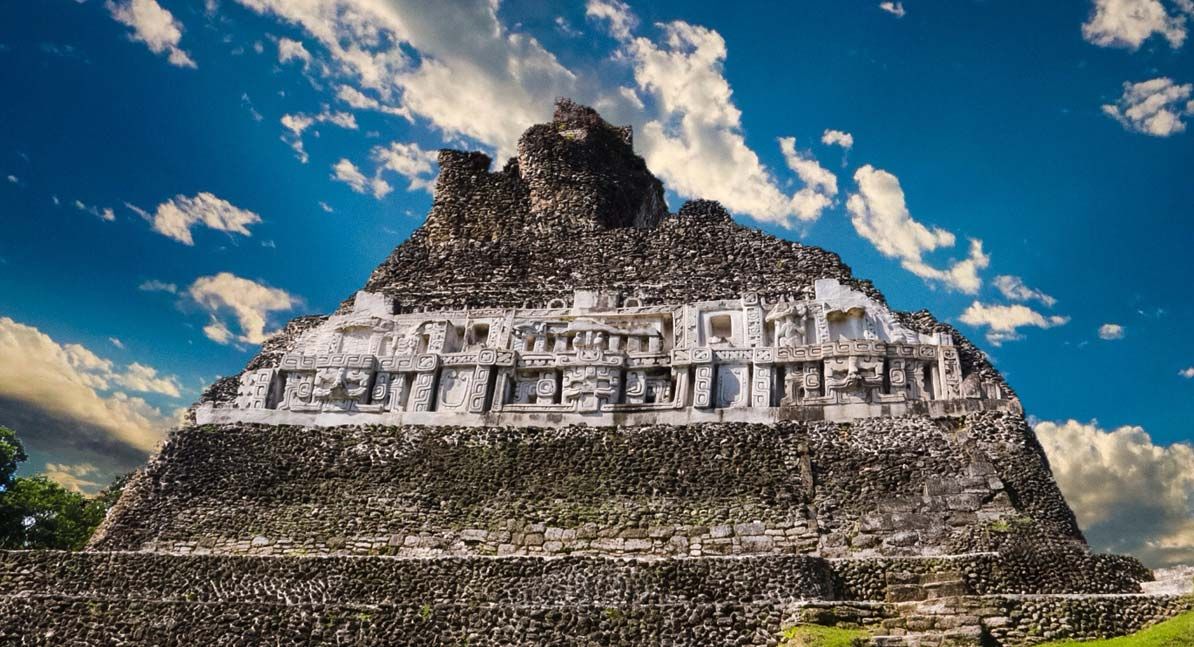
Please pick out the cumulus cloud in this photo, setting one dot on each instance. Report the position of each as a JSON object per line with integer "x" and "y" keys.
{"x": 880, "y": 214}
{"x": 1003, "y": 322}
{"x": 620, "y": 19}
{"x": 820, "y": 185}
{"x": 894, "y": 8}
{"x": 62, "y": 400}
{"x": 453, "y": 82}
{"x": 76, "y": 478}
{"x": 248, "y": 302}
{"x": 102, "y": 374}
{"x": 1013, "y": 287}
{"x": 407, "y": 58}
{"x": 1111, "y": 331}
{"x": 154, "y": 26}
{"x": 1129, "y": 494}
{"x": 1154, "y": 107}
{"x": 1128, "y": 23}
{"x": 347, "y": 172}
{"x": 12, "y": 179}
{"x": 297, "y": 124}
{"x": 1187, "y": 373}
{"x": 361, "y": 101}
{"x": 176, "y": 217}
{"x": 293, "y": 50}
{"x": 837, "y": 138}
{"x": 408, "y": 160}
{"x": 694, "y": 137}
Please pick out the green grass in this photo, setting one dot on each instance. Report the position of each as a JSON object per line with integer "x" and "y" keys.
{"x": 822, "y": 636}
{"x": 1175, "y": 632}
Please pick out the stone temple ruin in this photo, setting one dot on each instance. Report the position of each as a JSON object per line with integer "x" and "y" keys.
{"x": 560, "y": 415}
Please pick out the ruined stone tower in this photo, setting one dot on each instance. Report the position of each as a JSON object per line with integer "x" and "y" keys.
{"x": 559, "y": 414}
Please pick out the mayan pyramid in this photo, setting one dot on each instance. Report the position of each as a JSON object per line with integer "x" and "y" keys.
{"x": 560, "y": 415}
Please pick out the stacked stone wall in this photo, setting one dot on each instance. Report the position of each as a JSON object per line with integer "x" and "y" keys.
{"x": 71, "y": 622}
{"x": 513, "y": 581}
{"x": 1051, "y": 571}
{"x": 1033, "y": 619}
{"x": 908, "y": 486}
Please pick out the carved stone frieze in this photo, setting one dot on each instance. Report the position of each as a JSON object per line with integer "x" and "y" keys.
{"x": 600, "y": 356}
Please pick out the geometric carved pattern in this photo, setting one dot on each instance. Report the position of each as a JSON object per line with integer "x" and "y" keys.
{"x": 609, "y": 359}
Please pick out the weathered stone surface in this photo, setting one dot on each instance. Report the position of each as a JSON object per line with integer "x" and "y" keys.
{"x": 819, "y": 488}
{"x": 484, "y": 511}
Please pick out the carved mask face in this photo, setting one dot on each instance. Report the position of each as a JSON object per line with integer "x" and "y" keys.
{"x": 341, "y": 383}
{"x": 854, "y": 372}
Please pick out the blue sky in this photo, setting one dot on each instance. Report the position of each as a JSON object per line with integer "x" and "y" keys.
{"x": 177, "y": 179}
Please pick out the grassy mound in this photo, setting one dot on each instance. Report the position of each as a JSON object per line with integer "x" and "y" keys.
{"x": 1175, "y": 632}
{"x": 822, "y": 636}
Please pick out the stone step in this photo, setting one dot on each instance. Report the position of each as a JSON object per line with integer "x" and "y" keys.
{"x": 961, "y": 637}
{"x": 61, "y": 621}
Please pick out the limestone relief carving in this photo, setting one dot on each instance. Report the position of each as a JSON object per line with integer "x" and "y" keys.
{"x": 835, "y": 348}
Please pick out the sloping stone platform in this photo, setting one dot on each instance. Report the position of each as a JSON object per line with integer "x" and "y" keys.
{"x": 877, "y": 487}
{"x": 53, "y": 598}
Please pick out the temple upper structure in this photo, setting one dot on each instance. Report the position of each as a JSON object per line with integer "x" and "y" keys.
{"x": 603, "y": 359}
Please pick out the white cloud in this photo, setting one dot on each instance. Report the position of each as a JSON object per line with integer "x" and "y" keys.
{"x": 175, "y": 217}
{"x": 75, "y": 478}
{"x": 408, "y": 160}
{"x": 566, "y": 28}
{"x": 296, "y": 124}
{"x": 348, "y": 173}
{"x": 880, "y": 214}
{"x": 453, "y": 82}
{"x": 105, "y": 213}
{"x": 1111, "y": 331}
{"x": 1154, "y": 107}
{"x": 621, "y": 19}
{"x": 154, "y": 26}
{"x": 154, "y": 285}
{"x": 820, "y": 185}
{"x": 1004, "y": 321}
{"x": 116, "y": 342}
{"x": 408, "y": 58}
{"x": 694, "y": 139}
{"x": 13, "y": 179}
{"x": 1013, "y": 287}
{"x": 249, "y": 302}
{"x": 1129, "y": 494}
{"x": 894, "y": 8}
{"x": 838, "y": 138}
{"x": 248, "y": 104}
{"x": 100, "y": 373}
{"x": 327, "y": 208}
{"x": 1187, "y": 373}
{"x": 50, "y": 393}
{"x": 293, "y": 50}
{"x": 139, "y": 377}
{"x": 1128, "y": 23}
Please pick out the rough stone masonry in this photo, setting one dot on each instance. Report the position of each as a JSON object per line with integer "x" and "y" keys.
{"x": 561, "y": 415}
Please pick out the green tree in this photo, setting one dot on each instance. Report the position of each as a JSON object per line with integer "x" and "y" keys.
{"x": 11, "y": 454}
{"x": 36, "y": 512}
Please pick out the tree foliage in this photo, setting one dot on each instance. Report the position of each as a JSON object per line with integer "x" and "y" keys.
{"x": 36, "y": 512}
{"x": 12, "y": 453}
